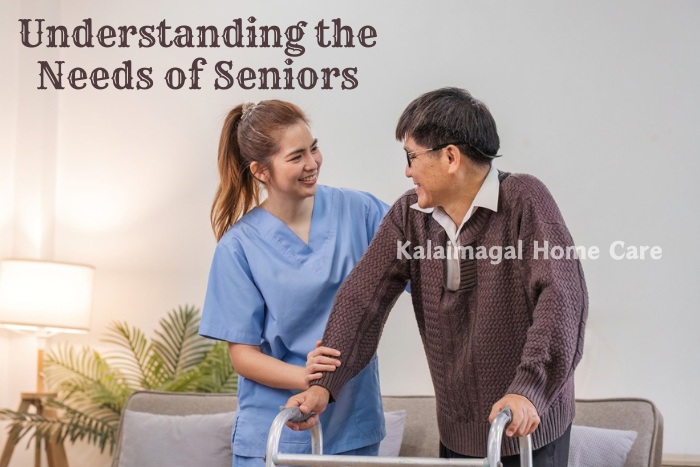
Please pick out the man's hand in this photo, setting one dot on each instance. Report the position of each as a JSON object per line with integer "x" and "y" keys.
{"x": 525, "y": 418}
{"x": 315, "y": 399}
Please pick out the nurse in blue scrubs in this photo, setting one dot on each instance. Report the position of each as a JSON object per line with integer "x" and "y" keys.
{"x": 275, "y": 272}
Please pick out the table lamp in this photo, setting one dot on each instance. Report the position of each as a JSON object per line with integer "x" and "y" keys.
{"x": 44, "y": 298}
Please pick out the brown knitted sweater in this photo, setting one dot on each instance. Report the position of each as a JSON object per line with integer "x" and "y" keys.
{"x": 512, "y": 327}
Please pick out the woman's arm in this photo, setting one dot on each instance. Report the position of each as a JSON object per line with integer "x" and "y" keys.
{"x": 251, "y": 363}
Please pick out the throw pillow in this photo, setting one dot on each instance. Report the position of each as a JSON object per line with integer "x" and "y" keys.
{"x": 391, "y": 444}
{"x": 596, "y": 447}
{"x": 151, "y": 440}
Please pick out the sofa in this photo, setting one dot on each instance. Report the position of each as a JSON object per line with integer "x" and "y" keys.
{"x": 199, "y": 424}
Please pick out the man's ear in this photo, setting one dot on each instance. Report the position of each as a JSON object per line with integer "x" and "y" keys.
{"x": 260, "y": 173}
{"x": 454, "y": 158}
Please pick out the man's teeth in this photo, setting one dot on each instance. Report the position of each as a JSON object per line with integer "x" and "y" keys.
{"x": 308, "y": 179}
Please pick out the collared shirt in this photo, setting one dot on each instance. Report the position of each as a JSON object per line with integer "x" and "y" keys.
{"x": 486, "y": 197}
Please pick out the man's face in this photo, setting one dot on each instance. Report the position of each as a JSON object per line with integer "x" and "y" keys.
{"x": 428, "y": 172}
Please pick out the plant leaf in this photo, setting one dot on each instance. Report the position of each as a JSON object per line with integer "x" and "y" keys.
{"x": 93, "y": 390}
{"x": 178, "y": 343}
{"x": 217, "y": 372}
{"x": 74, "y": 375}
{"x": 135, "y": 355}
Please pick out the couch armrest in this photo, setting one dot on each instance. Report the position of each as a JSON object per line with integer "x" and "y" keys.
{"x": 640, "y": 415}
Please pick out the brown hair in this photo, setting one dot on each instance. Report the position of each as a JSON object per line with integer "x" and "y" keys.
{"x": 250, "y": 134}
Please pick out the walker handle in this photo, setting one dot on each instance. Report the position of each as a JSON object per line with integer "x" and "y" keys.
{"x": 498, "y": 426}
{"x": 273, "y": 439}
{"x": 316, "y": 458}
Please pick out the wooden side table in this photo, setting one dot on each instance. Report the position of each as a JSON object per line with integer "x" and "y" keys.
{"x": 55, "y": 453}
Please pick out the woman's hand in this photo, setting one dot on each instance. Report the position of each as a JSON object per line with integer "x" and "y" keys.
{"x": 320, "y": 360}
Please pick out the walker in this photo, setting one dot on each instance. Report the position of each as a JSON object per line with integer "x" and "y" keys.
{"x": 274, "y": 458}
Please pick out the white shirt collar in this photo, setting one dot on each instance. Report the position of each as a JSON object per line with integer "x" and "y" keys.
{"x": 486, "y": 197}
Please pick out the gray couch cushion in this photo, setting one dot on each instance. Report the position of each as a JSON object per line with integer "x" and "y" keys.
{"x": 152, "y": 440}
{"x": 594, "y": 447}
{"x": 391, "y": 444}
{"x": 420, "y": 436}
{"x": 173, "y": 403}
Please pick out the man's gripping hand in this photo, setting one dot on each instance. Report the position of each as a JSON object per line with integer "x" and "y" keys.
{"x": 315, "y": 399}
{"x": 525, "y": 417}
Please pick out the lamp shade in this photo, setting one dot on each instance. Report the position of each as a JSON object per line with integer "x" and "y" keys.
{"x": 46, "y": 294}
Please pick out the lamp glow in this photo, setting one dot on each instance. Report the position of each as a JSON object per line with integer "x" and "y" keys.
{"x": 45, "y": 296}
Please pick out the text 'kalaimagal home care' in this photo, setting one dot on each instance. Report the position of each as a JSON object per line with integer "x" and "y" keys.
{"x": 227, "y": 74}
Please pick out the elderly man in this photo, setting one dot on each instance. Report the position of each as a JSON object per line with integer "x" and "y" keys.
{"x": 498, "y": 330}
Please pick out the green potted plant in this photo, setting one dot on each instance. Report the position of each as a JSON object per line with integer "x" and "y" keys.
{"x": 93, "y": 388}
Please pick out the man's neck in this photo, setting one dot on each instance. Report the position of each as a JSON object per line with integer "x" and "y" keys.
{"x": 464, "y": 191}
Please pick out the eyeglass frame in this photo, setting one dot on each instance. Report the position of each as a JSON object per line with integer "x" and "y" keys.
{"x": 413, "y": 154}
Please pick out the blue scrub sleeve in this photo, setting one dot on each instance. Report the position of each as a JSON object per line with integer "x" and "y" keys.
{"x": 234, "y": 308}
{"x": 376, "y": 210}
{"x": 375, "y": 214}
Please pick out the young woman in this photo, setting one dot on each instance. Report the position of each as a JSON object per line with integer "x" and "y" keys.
{"x": 275, "y": 273}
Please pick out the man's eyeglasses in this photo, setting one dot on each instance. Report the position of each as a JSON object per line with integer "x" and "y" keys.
{"x": 413, "y": 154}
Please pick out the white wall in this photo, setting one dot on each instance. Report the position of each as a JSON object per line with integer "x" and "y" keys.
{"x": 597, "y": 99}
{"x": 9, "y": 55}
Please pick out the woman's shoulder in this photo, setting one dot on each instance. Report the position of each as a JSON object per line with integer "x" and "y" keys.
{"x": 243, "y": 230}
{"x": 343, "y": 192}
{"x": 351, "y": 196}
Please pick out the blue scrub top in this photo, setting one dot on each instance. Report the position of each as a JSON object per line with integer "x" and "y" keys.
{"x": 269, "y": 288}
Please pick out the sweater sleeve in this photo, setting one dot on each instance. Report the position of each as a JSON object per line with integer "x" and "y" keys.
{"x": 364, "y": 301}
{"x": 556, "y": 292}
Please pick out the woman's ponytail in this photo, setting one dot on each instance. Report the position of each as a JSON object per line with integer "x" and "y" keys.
{"x": 238, "y": 191}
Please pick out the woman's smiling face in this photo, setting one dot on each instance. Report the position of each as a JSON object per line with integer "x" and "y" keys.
{"x": 294, "y": 168}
